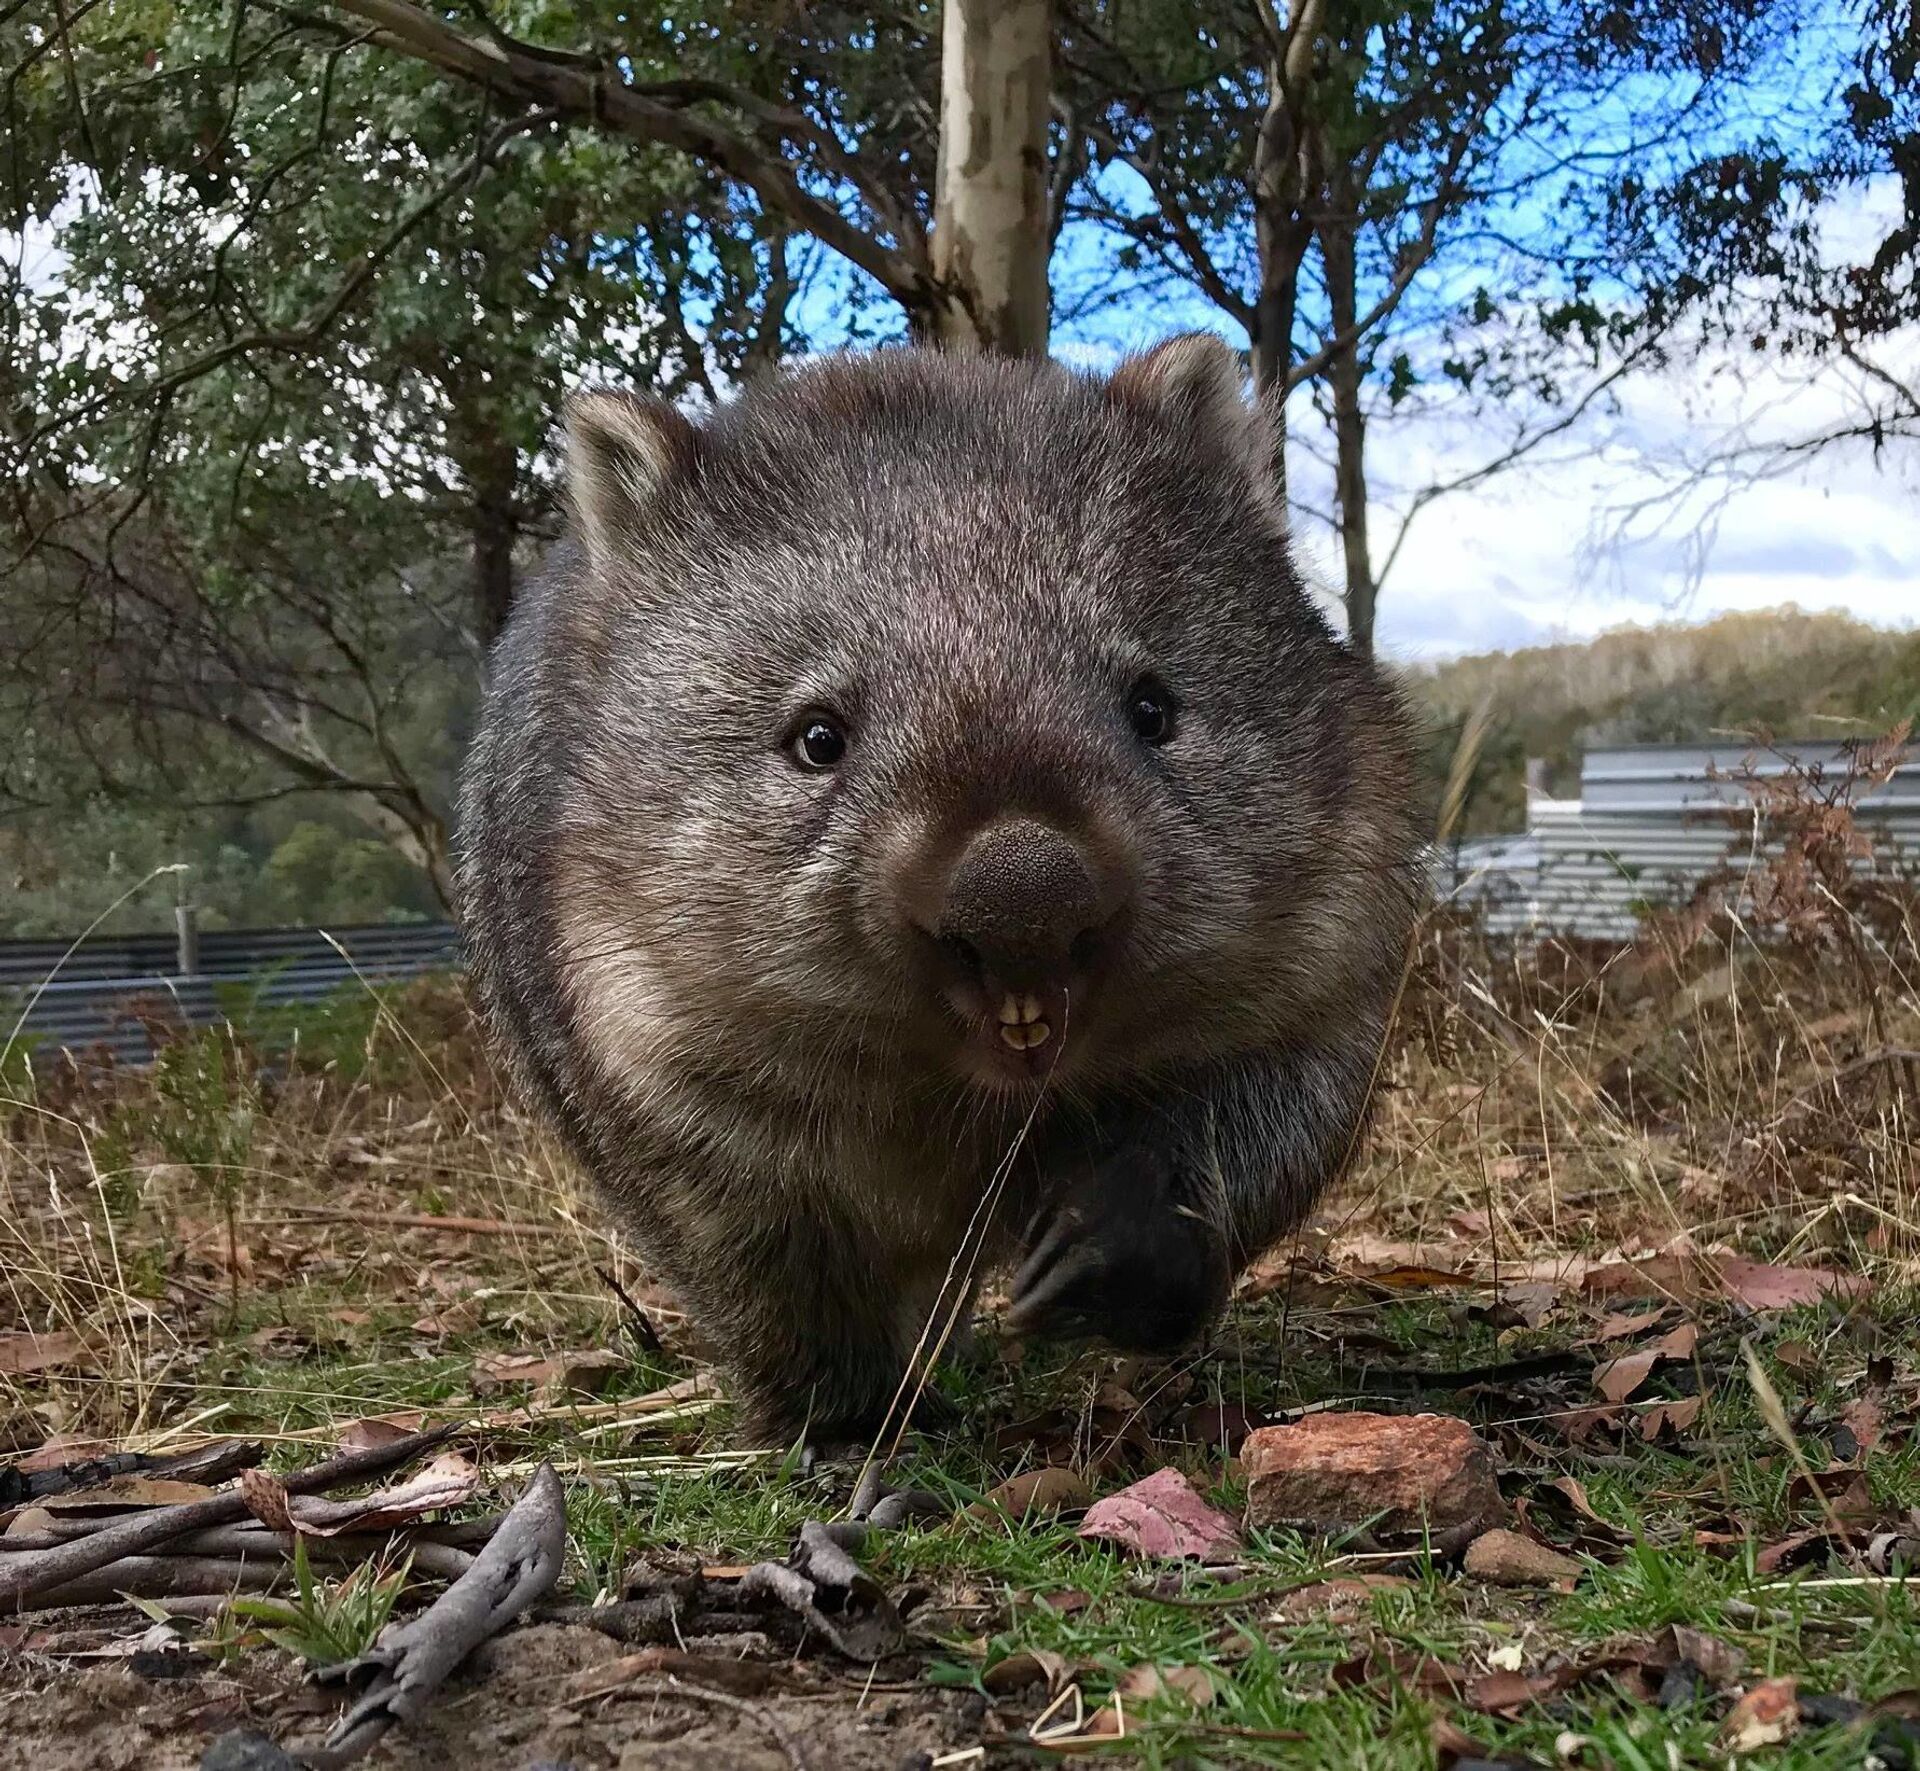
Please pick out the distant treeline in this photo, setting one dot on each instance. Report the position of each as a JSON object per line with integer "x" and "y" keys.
{"x": 1781, "y": 672}
{"x": 305, "y": 859}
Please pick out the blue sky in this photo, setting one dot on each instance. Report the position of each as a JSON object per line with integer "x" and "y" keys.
{"x": 1616, "y": 524}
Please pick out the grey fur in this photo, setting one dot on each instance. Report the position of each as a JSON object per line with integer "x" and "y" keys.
{"x": 699, "y": 959}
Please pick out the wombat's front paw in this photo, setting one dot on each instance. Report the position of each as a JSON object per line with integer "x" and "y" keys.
{"x": 1121, "y": 1260}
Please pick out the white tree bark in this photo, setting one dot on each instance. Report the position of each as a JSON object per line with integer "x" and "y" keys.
{"x": 990, "y": 235}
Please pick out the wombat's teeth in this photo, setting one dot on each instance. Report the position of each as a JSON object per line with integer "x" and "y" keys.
{"x": 1025, "y": 1038}
{"x": 1017, "y": 1011}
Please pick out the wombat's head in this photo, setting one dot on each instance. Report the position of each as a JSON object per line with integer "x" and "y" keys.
{"x": 964, "y": 718}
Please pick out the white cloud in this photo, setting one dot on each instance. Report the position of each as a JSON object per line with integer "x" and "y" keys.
{"x": 1629, "y": 524}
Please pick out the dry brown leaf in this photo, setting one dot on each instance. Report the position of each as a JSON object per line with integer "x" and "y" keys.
{"x": 1765, "y": 1716}
{"x": 1761, "y": 1286}
{"x": 267, "y": 1499}
{"x": 1862, "y": 1418}
{"x": 1617, "y": 1379}
{"x": 1146, "y": 1684}
{"x": 1507, "y": 1559}
{"x": 448, "y": 1481}
{"x": 378, "y": 1430}
{"x": 1028, "y": 1666}
{"x": 23, "y": 1352}
{"x": 1669, "y": 1417}
{"x": 123, "y": 1493}
{"x": 1041, "y": 1493}
{"x": 581, "y": 1373}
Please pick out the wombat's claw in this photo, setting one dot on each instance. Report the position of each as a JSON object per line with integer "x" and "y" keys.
{"x": 1140, "y": 1273}
{"x": 883, "y": 1507}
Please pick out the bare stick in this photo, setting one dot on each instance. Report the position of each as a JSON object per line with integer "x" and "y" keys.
{"x": 674, "y": 1688}
{"x": 37, "y": 1570}
{"x": 164, "y": 1577}
{"x": 410, "y": 1661}
{"x": 224, "y": 1540}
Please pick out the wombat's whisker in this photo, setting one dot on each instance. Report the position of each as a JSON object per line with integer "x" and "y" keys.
{"x": 973, "y": 1241}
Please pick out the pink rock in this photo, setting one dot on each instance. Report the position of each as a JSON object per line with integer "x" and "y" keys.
{"x": 1396, "y": 1475}
{"x": 1162, "y": 1515}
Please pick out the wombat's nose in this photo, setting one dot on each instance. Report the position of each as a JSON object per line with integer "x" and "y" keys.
{"x": 1022, "y": 905}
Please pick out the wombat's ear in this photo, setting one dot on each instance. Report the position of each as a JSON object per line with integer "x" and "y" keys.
{"x": 621, "y": 449}
{"x": 1196, "y": 380}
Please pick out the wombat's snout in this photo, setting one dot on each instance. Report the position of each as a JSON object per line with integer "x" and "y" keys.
{"x": 1025, "y": 908}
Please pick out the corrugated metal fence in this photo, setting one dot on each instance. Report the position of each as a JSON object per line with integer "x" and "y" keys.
{"x": 101, "y": 993}
{"x": 1652, "y": 820}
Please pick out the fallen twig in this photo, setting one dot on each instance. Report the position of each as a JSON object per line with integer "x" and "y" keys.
{"x": 222, "y": 1540}
{"x": 410, "y": 1661}
{"x": 165, "y": 1577}
{"x": 272, "y": 1550}
{"x": 37, "y": 1571}
{"x": 411, "y": 1221}
{"x": 217, "y": 1462}
{"x": 673, "y": 1688}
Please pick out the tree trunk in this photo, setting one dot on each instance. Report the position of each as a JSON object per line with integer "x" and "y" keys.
{"x": 489, "y": 465}
{"x": 1337, "y": 244}
{"x": 1283, "y": 179}
{"x": 990, "y": 233}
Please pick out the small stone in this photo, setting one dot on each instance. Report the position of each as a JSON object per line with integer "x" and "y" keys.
{"x": 242, "y": 1749}
{"x": 1509, "y": 1560}
{"x": 1396, "y": 1475}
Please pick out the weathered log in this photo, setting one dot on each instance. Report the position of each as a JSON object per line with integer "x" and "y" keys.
{"x": 34, "y": 1571}
{"x": 407, "y": 1665}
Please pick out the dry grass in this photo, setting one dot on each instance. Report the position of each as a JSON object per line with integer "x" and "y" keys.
{"x": 287, "y": 1227}
{"x": 246, "y": 1234}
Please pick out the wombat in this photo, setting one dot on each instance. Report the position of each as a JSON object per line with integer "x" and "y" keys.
{"x": 920, "y": 812}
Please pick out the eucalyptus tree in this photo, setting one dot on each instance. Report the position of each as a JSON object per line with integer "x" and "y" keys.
{"x": 1392, "y": 200}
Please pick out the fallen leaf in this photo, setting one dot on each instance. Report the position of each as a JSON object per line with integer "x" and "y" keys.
{"x": 1719, "y": 1662}
{"x": 719, "y": 1672}
{"x": 1758, "y": 1285}
{"x": 1617, "y": 1379}
{"x": 1669, "y": 1417}
{"x": 1507, "y": 1559}
{"x": 1192, "y": 1685}
{"x": 125, "y": 1492}
{"x": 24, "y": 1352}
{"x": 1162, "y": 1515}
{"x": 1765, "y": 1716}
{"x": 1862, "y": 1418}
{"x": 378, "y": 1430}
{"x": 448, "y": 1481}
{"x": 1620, "y": 1325}
{"x": 1039, "y": 1493}
{"x": 1027, "y": 1666}
{"x": 585, "y": 1372}
{"x": 1497, "y": 1693}
{"x": 1797, "y": 1356}
{"x": 1761, "y": 1286}
{"x": 267, "y": 1499}
{"x": 1348, "y": 1596}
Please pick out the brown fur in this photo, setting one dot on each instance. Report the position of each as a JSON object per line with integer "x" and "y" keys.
{"x": 749, "y": 991}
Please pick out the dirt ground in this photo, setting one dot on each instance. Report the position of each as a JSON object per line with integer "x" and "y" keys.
{"x": 508, "y": 1711}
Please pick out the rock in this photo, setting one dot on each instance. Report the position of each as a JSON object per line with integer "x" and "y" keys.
{"x": 242, "y": 1749}
{"x": 1509, "y": 1560}
{"x": 1396, "y": 1475}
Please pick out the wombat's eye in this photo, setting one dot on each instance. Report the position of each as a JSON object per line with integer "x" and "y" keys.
{"x": 819, "y": 743}
{"x": 1150, "y": 708}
